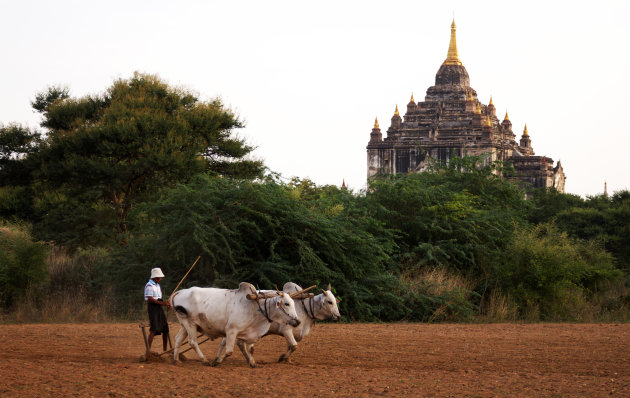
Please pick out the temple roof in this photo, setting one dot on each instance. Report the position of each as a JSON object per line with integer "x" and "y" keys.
{"x": 452, "y": 71}
{"x": 452, "y": 58}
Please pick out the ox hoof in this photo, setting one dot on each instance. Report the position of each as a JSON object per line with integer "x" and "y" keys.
{"x": 283, "y": 359}
{"x": 206, "y": 363}
{"x": 214, "y": 363}
{"x": 177, "y": 362}
{"x": 254, "y": 365}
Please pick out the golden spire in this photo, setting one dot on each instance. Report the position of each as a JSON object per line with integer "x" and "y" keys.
{"x": 411, "y": 100}
{"x": 525, "y": 131}
{"x": 488, "y": 122}
{"x": 506, "y": 116}
{"x": 477, "y": 109}
{"x": 605, "y": 188}
{"x": 491, "y": 101}
{"x": 396, "y": 111}
{"x": 376, "y": 122}
{"x": 451, "y": 57}
{"x": 470, "y": 97}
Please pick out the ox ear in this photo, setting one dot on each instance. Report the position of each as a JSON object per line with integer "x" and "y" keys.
{"x": 337, "y": 299}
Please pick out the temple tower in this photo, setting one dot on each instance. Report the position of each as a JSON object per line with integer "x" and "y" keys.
{"x": 451, "y": 121}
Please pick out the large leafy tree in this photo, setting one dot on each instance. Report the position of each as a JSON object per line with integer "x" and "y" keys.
{"x": 605, "y": 220}
{"x": 458, "y": 215}
{"x": 264, "y": 232}
{"x": 16, "y": 144}
{"x": 104, "y": 153}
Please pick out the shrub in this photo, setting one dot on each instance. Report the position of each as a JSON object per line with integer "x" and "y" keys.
{"x": 22, "y": 263}
{"x": 550, "y": 275}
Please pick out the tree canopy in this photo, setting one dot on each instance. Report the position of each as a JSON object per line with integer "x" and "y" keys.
{"x": 101, "y": 154}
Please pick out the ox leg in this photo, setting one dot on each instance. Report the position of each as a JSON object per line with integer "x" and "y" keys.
{"x": 192, "y": 340}
{"x": 291, "y": 345}
{"x": 191, "y": 330}
{"x": 246, "y": 353}
{"x": 230, "y": 339}
{"x": 179, "y": 339}
{"x": 221, "y": 348}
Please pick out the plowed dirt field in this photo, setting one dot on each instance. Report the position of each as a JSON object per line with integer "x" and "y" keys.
{"x": 511, "y": 360}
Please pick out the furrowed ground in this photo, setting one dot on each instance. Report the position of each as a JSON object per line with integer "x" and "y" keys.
{"x": 102, "y": 360}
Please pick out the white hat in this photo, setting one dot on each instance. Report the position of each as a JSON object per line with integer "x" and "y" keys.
{"x": 156, "y": 273}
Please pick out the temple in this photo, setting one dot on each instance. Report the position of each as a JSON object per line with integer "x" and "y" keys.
{"x": 453, "y": 122}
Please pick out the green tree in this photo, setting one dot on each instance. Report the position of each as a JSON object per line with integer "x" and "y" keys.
{"x": 547, "y": 203}
{"x": 104, "y": 153}
{"x": 459, "y": 216}
{"x": 606, "y": 220}
{"x": 17, "y": 143}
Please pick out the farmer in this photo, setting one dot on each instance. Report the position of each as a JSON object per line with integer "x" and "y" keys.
{"x": 153, "y": 297}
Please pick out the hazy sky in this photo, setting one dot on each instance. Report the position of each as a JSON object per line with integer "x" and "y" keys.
{"x": 308, "y": 78}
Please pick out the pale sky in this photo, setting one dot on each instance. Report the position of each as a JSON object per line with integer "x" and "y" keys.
{"x": 308, "y": 78}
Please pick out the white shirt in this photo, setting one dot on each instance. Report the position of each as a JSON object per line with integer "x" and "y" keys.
{"x": 152, "y": 288}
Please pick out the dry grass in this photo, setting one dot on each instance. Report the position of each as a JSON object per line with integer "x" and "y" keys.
{"x": 452, "y": 291}
{"x": 66, "y": 297}
{"x": 606, "y": 305}
{"x": 62, "y": 307}
{"x": 499, "y": 308}
{"x": 436, "y": 281}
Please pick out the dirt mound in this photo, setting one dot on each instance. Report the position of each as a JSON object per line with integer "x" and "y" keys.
{"x": 336, "y": 359}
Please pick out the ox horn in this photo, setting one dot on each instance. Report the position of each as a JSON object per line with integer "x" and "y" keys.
{"x": 296, "y": 294}
{"x": 328, "y": 287}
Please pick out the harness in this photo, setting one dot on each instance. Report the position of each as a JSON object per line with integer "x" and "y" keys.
{"x": 311, "y": 306}
{"x": 266, "y": 309}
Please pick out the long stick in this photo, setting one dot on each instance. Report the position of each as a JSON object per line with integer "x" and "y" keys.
{"x": 180, "y": 282}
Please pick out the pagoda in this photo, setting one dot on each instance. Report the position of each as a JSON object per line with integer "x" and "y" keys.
{"x": 452, "y": 121}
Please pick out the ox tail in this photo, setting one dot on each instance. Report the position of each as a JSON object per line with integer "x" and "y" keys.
{"x": 178, "y": 308}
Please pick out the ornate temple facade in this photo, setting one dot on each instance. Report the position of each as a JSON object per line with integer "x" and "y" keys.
{"x": 453, "y": 122}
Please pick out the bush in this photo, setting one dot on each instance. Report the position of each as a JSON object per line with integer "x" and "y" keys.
{"x": 22, "y": 263}
{"x": 549, "y": 275}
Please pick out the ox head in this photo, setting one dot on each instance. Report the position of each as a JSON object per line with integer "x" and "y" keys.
{"x": 285, "y": 313}
{"x": 329, "y": 305}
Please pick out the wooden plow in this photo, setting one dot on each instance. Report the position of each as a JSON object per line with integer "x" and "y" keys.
{"x": 144, "y": 328}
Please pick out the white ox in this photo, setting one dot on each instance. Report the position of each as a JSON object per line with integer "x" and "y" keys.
{"x": 321, "y": 307}
{"x": 230, "y": 314}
